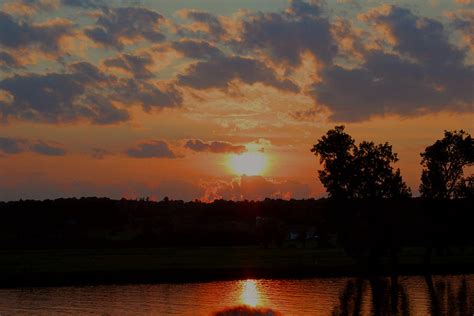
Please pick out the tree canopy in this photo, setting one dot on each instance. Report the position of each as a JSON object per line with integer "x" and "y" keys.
{"x": 363, "y": 171}
{"x": 443, "y": 166}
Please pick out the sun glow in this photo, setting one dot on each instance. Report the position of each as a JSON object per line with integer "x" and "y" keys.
{"x": 250, "y": 163}
{"x": 250, "y": 295}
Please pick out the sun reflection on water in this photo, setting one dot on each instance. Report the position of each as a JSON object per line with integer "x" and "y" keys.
{"x": 250, "y": 294}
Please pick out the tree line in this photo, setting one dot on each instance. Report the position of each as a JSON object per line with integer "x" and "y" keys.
{"x": 365, "y": 171}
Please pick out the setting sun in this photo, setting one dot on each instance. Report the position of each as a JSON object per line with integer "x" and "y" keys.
{"x": 250, "y": 164}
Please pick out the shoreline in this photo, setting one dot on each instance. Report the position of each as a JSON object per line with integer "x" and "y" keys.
{"x": 57, "y": 268}
{"x": 197, "y": 276}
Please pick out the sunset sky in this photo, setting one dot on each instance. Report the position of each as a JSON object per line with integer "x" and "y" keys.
{"x": 180, "y": 98}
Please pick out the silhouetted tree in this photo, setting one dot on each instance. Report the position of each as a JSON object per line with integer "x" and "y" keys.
{"x": 443, "y": 164}
{"x": 363, "y": 171}
{"x": 466, "y": 188}
{"x": 335, "y": 151}
{"x": 374, "y": 176}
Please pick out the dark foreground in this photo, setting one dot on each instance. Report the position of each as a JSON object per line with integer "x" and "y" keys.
{"x": 60, "y": 267}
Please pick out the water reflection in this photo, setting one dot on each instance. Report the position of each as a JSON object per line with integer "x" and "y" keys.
{"x": 382, "y": 296}
{"x": 446, "y": 295}
{"x": 406, "y": 295}
{"x": 250, "y": 295}
{"x": 450, "y": 296}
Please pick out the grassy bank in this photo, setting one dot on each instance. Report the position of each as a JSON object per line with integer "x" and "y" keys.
{"x": 102, "y": 266}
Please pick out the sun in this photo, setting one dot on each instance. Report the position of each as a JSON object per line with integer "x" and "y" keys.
{"x": 250, "y": 163}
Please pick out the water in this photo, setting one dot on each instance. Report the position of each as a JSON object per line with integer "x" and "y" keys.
{"x": 410, "y": 295}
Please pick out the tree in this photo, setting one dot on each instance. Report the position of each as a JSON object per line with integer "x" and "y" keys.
{"x": 335, "y": 151}
{"x": 364, "y": 171}
{"x": 466, "y": 188}
{"x": 374, "y": 176}
{"x": 443, "y": 166}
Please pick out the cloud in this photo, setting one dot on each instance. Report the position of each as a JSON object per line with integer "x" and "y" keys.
{"x": 387, "y": 84}
{"x": 304, "y": 8}
{"x": 60, "y": 97}
{"x": 423, "y": 39}
{"x": 28, "y": 7}
{"x": 102, "y": 111}
{"x": 257, "y": 188}
{"x": 213, "y": 28}
{"x": 128, "y": 91}
{"x": 10, "y": 145}
{"x": 423, "y": 73}
{"x": 214, "y": 147}
{"x": 43, "y": 148}
{"x": 46, "y": 37}
{"x": 464, "y": 22}
{"x": 151, "y": 149}
{"x": 219, "y": 72}
{"x": 82, "y": 93}
{"x": 137, "y": 65}
{"x": 197, "y": 49}
{"x": 285, "y": 36}
{"x": 8, "y": 62}
{"x": 116, "y": 26}
{"x": 148, "y": 95}
{"x": 87, "y": 4}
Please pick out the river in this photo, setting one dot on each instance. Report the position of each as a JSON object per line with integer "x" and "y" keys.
{"x": 407, "y": 295}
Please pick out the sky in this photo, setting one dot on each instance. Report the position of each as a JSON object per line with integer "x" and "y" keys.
{"x": 221, "y": 99}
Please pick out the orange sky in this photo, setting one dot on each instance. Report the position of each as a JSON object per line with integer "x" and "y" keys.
{"x": 93, "y": 102}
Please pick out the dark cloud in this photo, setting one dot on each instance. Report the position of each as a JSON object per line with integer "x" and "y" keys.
{"x": 464, "y": 22}
{"x": 129, "y": 90}
{"x": 60, "y": 97}
{"x": 50, "y": 97}
{"x": 424, "y": 73}
{"x": 388, "y": 84}
{"x": 215, "y": 29}
{"x": 88, "y": 72}
{"x": 115, "y": 25}
{"x": 148, "y": 95}
{"x": 20, "y": 34}
{"x": 151, "y": 149}
{"x": 10, "y": 145}
{"x": 8, "y": 62}
{"x": 214, "y": 147}
{"x": 87, "y": 4}
{"x": 285, "y": 36}
{"x": 43, "y": 148}
{"x": 219, "y": 72}
{"x": 423, "y": 39}
{"x": 82, "y": 93}
{"x": 305, "y": 8}
{"x": 137, "y": 65}
{"x": 102, "y": 111}
{"x": 197, "y": 49}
